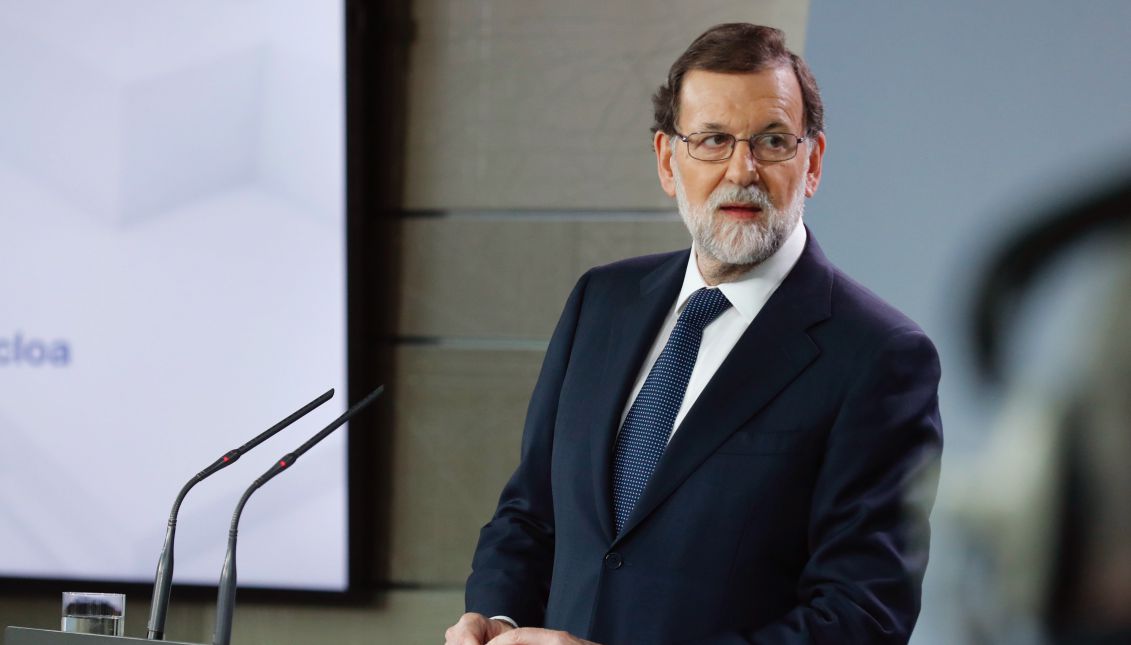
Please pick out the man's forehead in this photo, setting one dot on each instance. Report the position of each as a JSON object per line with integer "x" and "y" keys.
{"x": 766, "y": 99}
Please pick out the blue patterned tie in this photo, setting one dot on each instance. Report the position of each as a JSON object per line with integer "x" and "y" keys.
{"x": 650, "y": 420}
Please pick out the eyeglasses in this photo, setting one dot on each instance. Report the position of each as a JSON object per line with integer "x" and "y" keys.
{"x": 719, "y": 146}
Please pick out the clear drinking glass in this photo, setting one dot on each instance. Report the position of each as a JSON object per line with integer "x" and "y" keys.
{"x": 94, "y": 613}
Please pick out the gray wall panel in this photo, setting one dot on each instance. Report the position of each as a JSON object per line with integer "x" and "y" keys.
{"x": 546, "y": 104}
{"x": 459, "y": 415}
{"x": 507, "y": 277}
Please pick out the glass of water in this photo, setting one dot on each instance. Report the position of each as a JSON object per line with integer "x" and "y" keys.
{"x": 94, "y": 613}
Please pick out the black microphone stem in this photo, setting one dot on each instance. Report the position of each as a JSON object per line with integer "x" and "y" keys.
{"x": 163, "y": 582}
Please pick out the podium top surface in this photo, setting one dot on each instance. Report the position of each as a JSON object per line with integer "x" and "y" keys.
{"x": 28, "y": 636}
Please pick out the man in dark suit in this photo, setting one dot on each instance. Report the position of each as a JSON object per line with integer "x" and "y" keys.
{"x": 729, "y": 444}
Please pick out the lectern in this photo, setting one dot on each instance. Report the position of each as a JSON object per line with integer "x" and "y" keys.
{"x": 28, "y": 636}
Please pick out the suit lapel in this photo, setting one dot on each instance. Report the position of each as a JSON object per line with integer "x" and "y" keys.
{"x": 771, "y": 353}
{"x": 640, "y": 313}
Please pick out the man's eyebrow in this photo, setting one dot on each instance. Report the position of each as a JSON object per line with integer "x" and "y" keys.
{"x": 775, "y": 125}
{"x": 711, "y": 126}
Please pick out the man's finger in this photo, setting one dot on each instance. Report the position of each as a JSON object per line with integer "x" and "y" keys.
{"x": 513, "y": 637}
{"x": 460, "y": 636}
{"x": 531, "y": 636}
{"x": 472, "y": 629}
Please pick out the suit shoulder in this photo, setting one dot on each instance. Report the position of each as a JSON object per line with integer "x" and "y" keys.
{"x": 866, "y": 315}
{"x": 633, "y": 269}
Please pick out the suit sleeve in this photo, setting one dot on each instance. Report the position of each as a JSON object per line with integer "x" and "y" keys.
{"x": 868, "y": 532}
{"x": 514, "y": 558}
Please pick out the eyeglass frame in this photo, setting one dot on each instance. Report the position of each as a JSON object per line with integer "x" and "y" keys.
{"x": 749, "y": 142}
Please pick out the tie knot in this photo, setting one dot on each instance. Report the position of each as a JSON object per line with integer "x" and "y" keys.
{"x": 704, "y": 306}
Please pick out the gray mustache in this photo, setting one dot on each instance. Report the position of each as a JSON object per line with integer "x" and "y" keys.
{"x": 752, "y": 196}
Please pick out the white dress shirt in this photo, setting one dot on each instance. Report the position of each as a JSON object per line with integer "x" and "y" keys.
{"x": 748, "y": 294}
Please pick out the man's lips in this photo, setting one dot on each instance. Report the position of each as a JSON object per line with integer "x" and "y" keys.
{"x": 741, "y": 211}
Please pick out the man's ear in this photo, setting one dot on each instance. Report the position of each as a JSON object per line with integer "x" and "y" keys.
{"x": 816, "y": 156}
{"x": 662, "y": 144}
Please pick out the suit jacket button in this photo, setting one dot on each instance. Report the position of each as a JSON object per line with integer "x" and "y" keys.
{"x": 613, "y": 561}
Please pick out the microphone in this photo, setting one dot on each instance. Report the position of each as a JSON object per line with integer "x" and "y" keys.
{"x": 163, "y": 583}
{"x": 226, "y": 601}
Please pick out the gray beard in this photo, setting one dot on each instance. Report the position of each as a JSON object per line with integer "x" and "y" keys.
{"x": 735, "y": 242}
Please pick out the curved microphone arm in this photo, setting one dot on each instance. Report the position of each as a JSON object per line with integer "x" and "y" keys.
{"x": 163, "y": 581}
{"x": 226, "y": 599}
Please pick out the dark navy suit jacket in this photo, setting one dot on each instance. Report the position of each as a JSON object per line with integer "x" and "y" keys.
{"x": 791, "y": 506}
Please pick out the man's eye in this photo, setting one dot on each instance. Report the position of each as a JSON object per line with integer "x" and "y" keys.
{"x": 716, "y": 141}
{"x": 773, "y": 142}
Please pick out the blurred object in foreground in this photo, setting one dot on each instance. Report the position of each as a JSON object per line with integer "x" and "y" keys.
{"x": 1047, "y": 501}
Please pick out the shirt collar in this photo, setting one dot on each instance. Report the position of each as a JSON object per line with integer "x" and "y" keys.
{"x": 749, "y": 293}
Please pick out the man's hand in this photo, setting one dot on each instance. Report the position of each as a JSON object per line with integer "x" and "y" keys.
{"x": 531, "y": 636}
{"x": 475, "y": 629}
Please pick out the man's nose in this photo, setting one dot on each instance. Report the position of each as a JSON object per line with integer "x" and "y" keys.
{"x": 742, "y": 168}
